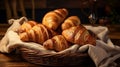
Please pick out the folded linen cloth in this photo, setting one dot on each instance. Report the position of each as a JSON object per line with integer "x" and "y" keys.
{"x": 103, "y": 54}
{"x": 15, "y": 24}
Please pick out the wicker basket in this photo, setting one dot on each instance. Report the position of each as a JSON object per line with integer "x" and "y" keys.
{"x": 35, "y": 57}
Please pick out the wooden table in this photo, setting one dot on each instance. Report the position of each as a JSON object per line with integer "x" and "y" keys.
{"x": 15, "y": 60}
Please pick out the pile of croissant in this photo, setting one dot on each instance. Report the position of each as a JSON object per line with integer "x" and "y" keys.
{"x": 57, "y": 31}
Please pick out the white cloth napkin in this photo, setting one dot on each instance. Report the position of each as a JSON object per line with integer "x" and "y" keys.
{"x": 103, "y": 54}
{"x": 15, "y": 24}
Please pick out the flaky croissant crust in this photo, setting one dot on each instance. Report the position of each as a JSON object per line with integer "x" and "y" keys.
{"x": 79, "y": 35}
{"x": 54, "y": 18}
{"x": 46, "y": 33}
{"x": 38, "y": 33}
{"x": 57, "y": 43}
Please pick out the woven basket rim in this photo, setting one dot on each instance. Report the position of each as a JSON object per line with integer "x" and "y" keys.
{"x": 27, "y": 50}
{"x": 53, "y": 59}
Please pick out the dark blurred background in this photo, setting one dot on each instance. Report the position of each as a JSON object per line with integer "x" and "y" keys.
{"x": 106, "y": 11}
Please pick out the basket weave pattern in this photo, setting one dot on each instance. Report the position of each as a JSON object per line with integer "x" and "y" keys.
{"x": 69, "y": 59}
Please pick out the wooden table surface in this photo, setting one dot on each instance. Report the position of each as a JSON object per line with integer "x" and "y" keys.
{"x": 15, "y": 60}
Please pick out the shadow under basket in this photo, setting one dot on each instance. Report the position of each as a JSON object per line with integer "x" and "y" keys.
{"x": 70, "y": 59}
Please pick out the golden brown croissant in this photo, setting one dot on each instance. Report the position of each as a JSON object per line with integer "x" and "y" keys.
{"x": 57, "y": 43}
{"x": 26, "y": 26}
{"x": 70, "y": 21}
{"x": 79, "y": 35}
{"x": 39, "y": 33}
{"x": 54, "y": 18}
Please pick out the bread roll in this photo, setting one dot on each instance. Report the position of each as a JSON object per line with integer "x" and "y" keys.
{"x": 57, "y": 43}
{"x": 79, "y": 35}
{"x": 70, "y": 21}
{"x": 26, "y": 26}
{"x": 54, "y": 18}
{"x": 38, "y": 33}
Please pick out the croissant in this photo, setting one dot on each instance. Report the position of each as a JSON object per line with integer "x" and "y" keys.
{"x": 70, "y": 21}
{"x": 79, "y": 35}
{"x": 26, "y": 26}
{"x": 57, "y": 43}
{"x": 54, "y": 18}
{"x": 38, "y": 33}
